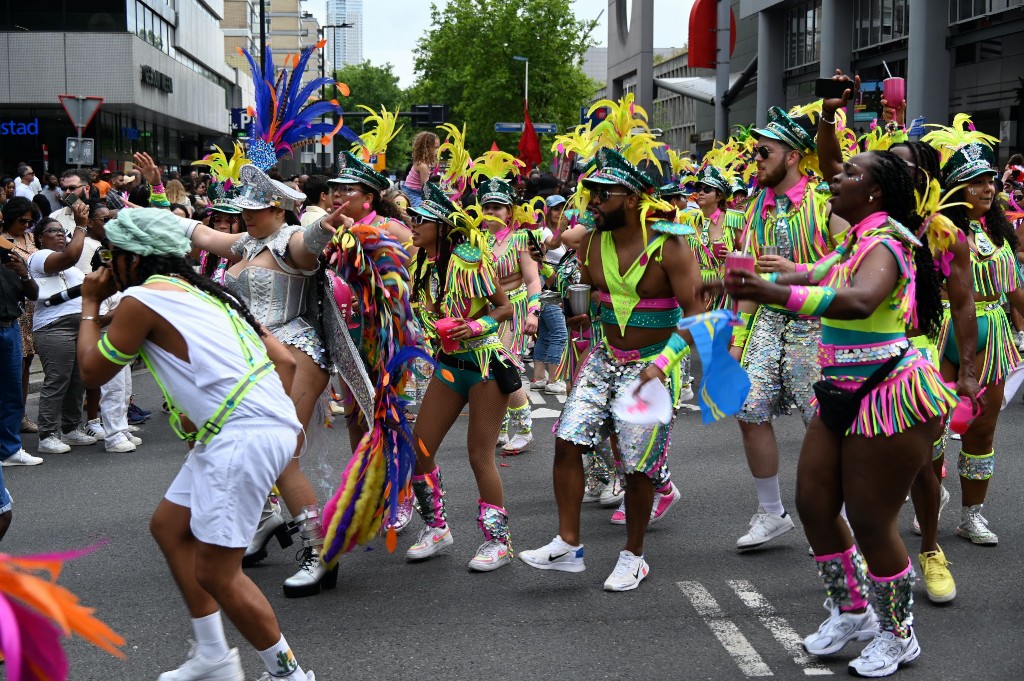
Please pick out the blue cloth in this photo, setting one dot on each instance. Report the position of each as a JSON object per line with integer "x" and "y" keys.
{"x": 415, "y": 195}
{"x": 11, "y": 406}
{"x": 723, "y": 383}
{"x": 551, "y": 336}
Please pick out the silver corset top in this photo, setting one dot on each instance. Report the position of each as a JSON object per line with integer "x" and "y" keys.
{"x": 274, "y": 297}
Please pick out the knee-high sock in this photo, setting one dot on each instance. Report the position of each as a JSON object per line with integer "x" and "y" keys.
{"x": 430, "y": 493}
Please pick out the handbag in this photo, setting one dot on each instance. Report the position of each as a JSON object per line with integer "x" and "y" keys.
{"x": 838, "y": 407}
{"x": 506, "y": 376}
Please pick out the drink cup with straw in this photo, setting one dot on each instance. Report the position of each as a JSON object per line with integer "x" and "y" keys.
{"x": 740, "y": 260}
{"x": 894, "y": 90}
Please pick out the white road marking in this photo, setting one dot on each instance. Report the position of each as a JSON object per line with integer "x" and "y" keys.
{"x": 560, "y": 397}
{"x": 778, "y": 627}
{"x": 544, "y": 413}
{"x": 536, "y": 397}
{"x": 727, "y": 633}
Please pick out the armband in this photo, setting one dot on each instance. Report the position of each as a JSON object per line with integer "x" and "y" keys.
{"x": 533, "y": 305}
{"x": 112, "y": 354}
{"x": 741, "y": 331}
{"x": 314, "y": 238}
{"x": 158, "y": 197}
{"x": 810, "y": 301}
{"x": 546, "y": 270}
{"x": 483, "y": 326}
{"x": 675, "y": 349}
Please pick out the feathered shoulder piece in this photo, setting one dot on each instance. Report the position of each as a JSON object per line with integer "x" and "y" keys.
{"x": 496, "y": 165}
{"x": 380, "y": 135}
{"x": 285, "y": 111}
{"x": 471, "y": 269}
{"x": 947, "y": 140}
{"x": 223, "y": 170}
{"x": 676, "y": 228}
{"x": 459, "y": 162}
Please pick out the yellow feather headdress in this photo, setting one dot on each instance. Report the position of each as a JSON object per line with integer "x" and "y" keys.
{"x": 947, "y": 140}
{"x": 376, "y": 140}
{"x": 459, "y": 162}
{"x": 223, "y": 169}
{"x": 496, "y": 165}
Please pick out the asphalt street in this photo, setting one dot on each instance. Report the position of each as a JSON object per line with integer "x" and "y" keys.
{"x": 705, "y": 612}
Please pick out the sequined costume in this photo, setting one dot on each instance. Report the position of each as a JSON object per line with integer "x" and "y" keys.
{"x": 711, "y": 266}
{"x": 284, "y": 301}
{"x": 781, "y": 351}
{"x": 996, "y": 273}
{"x": 852, "y": 349}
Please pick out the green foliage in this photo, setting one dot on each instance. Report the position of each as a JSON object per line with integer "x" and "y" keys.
{"x": 465, "y": 61}
{"x": 377, "y": 86}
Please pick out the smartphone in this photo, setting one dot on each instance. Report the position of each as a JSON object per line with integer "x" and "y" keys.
{"x": 5, "y": 255}
{"x": 826, "y": 88}
{"x": 533, "y": 242}
{"x": 70, "y": 200}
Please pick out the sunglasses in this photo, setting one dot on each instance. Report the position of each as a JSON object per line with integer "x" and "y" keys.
{"x": 57, "y": 230}
{"x": 28, "y": 222}
{"x": 704, "y": 189}
{"x": 603, "y": 194}
{"x": 763, "y": 151}
{"x": 418, "y": 219}
{"x": 104, "y": 220}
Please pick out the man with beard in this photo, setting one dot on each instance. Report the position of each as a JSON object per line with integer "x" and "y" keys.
{"x": 787, "y": 227}
{"x": 640, "y": 307}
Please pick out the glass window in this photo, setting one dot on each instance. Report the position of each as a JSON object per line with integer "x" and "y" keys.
{"x": 130, "y": 23}
{"x": 876, "y": 22}
{"x": 803, "y": 37}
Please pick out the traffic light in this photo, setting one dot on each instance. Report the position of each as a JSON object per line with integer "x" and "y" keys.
{"x": 429, "y": 115}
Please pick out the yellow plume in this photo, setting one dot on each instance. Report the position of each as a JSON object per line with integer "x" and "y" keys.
{"x": 529, "y": 213}
{"x": 469, "y": 222}
{"x": 640, "y": 147}
{"x": 623, "y": 117}
{"x": 459, "y": 162}
{"x": 947, "y": 140}
{"x": 681, "y": 165}
{"x": 812, "y": 110}
{"x": 223, "y": 169}
{"x": 496, "y": 165}
{"x": 580, "y": 141}
{"x": 377, "y": 139}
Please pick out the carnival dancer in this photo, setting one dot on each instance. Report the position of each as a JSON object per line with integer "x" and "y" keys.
{"x": 716, "y": 228}
{"x": 880, "y": 404}
{"x": 459, "y": 284}
{"x": 206, "y": 352}
{"x": 968, "y": 164}
{"x": 519, "y": 277}
{"x": 780, "y": 349}
{"x": 659, "y": 266}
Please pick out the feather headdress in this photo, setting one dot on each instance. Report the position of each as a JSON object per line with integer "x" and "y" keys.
{"x": 580, "y": 141}
{"x": 496, "y": 165}
{"x": 459, "y": 162}
{"x": 940, "y": 230}
{"x": 224, "y": 170}
{"x": 682, "y": 166}
{"x": 964, "y": 151}
{"x": 285, "y": 112}
{"x": 380, "y": 135}
{"x": 882, "y": 137}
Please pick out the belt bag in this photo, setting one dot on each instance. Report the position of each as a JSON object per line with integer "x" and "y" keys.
{"x": 838, "y": 407}
{"x": 505, "y": 375}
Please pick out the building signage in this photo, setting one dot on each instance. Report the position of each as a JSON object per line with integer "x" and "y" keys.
{"x": 19, "y": 128}
{"x": 154, "y": 78}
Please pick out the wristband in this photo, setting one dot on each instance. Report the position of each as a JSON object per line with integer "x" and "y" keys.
{"x": 112, "y": 354}
{"x": 546, "y": 270}
{"x": 476, "y": 327}
{"x": 315, "y": 239}
{"x": 483, "y": 326}
{"x": 742, "y": 331}
{"x": 533, "y": 305}
{"x": 675, "y": 349}
{"x": 811, "y": 301}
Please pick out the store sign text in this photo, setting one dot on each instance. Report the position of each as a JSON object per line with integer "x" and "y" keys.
{"x": 18, "y": 128}
{"x": 161, "y": 81}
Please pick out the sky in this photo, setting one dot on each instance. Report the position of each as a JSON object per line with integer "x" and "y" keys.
{"x": 397, "y": 40}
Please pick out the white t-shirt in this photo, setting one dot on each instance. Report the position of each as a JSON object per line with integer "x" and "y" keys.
{"x": 50, "y": 284}
{"x": 553, "y": 255}
{"x": 23, "y": 190}
{"x": 89, "y": 248}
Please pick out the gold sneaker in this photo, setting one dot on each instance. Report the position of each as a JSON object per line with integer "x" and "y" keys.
{"x": 938, "y": 581}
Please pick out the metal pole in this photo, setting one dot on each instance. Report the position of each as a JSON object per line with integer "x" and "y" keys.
{"x": 263, "y": 34}
{"x": 526, "y": 92}
{"x": 78, "y": 156}
{"x": 722, "y": 72}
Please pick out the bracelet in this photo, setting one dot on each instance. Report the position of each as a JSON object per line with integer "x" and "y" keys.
{"x": 825, "y": 120}
{"x": 811, "y": 301}
{"x": 675, "y": 349}
{"x": 90, "y": 318}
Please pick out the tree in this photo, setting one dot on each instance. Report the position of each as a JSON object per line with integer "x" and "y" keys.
{"x": 376, "y": 86}
{"x": 465, "y": 61}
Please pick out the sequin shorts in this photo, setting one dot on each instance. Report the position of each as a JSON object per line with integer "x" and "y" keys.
{"x": 587, "y": 418}
{"x": 781, "y": 359}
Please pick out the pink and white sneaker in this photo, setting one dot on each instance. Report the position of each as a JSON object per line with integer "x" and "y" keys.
{"x": 619, "y": 516}
{"x": 663, "y": 502}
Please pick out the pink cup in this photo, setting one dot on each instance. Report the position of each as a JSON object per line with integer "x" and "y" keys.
{"x": 445, "y": 326}
{"x": 894, "y": 90}
{"x": 739, "y": 261}
{"x": 963, "y": 415}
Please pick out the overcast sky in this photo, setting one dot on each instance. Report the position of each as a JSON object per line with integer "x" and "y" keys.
{"x": 387, "y": 40}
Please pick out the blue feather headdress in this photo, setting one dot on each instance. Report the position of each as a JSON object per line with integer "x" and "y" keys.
{"x": 285, "y": 112}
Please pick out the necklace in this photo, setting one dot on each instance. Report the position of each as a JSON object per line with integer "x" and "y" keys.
{"x": 981, "y": 241}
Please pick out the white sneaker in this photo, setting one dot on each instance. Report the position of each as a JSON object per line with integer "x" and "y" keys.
{"x": 198, "y": 668}
{"x": 95, "y": 429}
{"x": 134, "y": 440}
{"x": 22, "y": 458}
{"x": 502, "y": 440}
{"x": 122, "y": 446}
{"x": 267, "y": 676}
{"x": 628, "y": 572}
{"x": 613, "y": 494}
{"x": 943, "y": 500}
{"x": 52, "y": 445}
{"x": 430, "y": 541}
{"x": 555, "y": 555}
{"x": 538, "y": 384}
{"x": 593, "y": 492}
{"x": 133, "y": 429}
{"x": 884, "y": 655}
{"x": 403, "y": 516}
{"x": 77, "y": 437}
{"x": 491, "y": 555}
{"x": 839, "y": 629}
{"x": 518, "y": 443}
{"x": 764, "y": 527}
{"x": 974, "y": 526}
{"x": 555, "y": 388}
{"x": 685, "y": 394}
{"x": 619, "y": 515}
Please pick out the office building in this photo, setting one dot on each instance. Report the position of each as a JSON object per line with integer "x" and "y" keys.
{"x": 345, "y": 46}
{"x": 158, "y": 65}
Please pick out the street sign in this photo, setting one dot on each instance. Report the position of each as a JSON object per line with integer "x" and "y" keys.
{"x": 540, "y": 128}
{"x": 79, "y": 151}
{"x": 916, "y": 127}
{"x": 80, "y": 110}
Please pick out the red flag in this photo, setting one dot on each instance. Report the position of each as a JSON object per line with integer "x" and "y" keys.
{"x": 494, "y": 146}
{"x": 529, "y": 145}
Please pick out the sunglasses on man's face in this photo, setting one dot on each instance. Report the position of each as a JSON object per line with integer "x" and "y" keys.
{"x": 603, "y": 194}
{"x": 763, "y": 151}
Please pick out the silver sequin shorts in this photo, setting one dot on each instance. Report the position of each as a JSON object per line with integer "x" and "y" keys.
{"x": 781, "y": 359}
{"x": 587, "y": 418}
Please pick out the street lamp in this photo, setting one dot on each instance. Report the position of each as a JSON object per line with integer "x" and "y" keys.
{"x": 323, "y": 59}
{"x": 526, "y": 89}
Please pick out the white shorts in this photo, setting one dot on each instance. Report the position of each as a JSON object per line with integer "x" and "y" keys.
{"x": 226, "y": 482}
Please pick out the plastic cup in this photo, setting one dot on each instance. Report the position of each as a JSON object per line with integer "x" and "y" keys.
{"x": 963, "y": 415}
{"x": 579, "y": 299}
{"x": 445, "y": 326}
{"x": 718, "y": 249}
{"x": 894, "y": 90}
{"x": 770, "y": 250}
{"x": 739, "y": 261}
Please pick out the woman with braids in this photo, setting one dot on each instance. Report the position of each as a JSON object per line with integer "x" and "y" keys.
{"x": 458, "y": 282}
{"x": 968, "y": 164}
{"x": 216, "y": 367}
{"x": 880, "y": 405}
{"x": 272, "y": 270}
